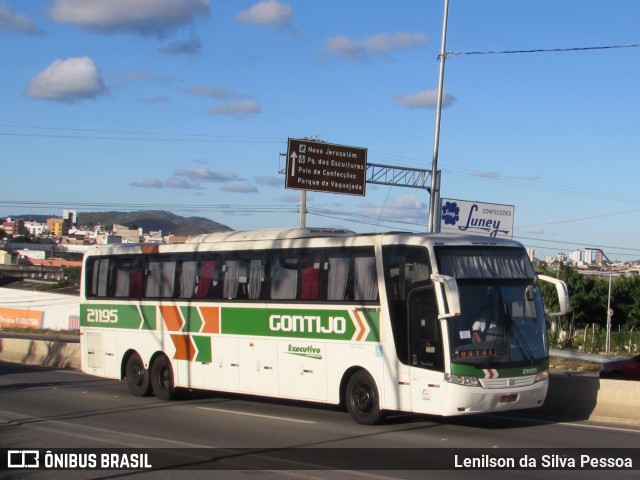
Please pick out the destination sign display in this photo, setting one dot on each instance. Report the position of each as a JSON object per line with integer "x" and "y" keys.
{"x": 325, "y": 167}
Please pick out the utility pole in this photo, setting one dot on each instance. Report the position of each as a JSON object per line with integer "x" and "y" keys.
{"x": 609, "y": 311}
{"x": 435, "y": 194}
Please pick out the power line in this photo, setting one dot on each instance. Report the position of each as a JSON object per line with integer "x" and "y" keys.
{"x": 93, "y": 134}
{"x": 543, "y": 50}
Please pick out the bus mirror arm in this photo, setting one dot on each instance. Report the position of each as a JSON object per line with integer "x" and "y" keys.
{"x": 448, "y": 289}
{"x": 563, "y": 294}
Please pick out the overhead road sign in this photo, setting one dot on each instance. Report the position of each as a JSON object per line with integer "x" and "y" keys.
{"x": 326, "y": 167}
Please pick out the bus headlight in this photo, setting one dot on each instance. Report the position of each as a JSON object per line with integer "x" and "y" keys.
{"x": 468, "y": 380}
{"x": 541, "y": 376}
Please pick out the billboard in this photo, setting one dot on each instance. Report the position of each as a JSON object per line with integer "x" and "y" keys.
{"x": 489, "y": 219}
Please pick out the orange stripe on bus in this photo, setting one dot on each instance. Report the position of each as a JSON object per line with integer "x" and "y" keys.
{"x": 363, "y": 328}
{"x": 184, "y": 348}
{"x": 172, "y": 318}
{"x": 150, "y": 249}
{"x": 211, "y": 317}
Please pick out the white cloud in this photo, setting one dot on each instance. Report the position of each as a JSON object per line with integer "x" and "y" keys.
{"x": 142, "y": 17}
{"x": 68, "y": 81}
{"x": 269, "y": 12}
{"x": 215, "y": 92}
{"x": 270, "y": 180}
{"x": 406, "y": 209}
{"x": 425, "y": 99}
{"x": 143, "y": 76}
{"x": 237, "y": 109}
{"x": 192, "y": 46}
{"x": 493, "y": 175}
{"x": 172, "y": 182}
{"x": 206, "y": 175}
{"x": 148, "y": 183}
{"x": 351, "y": 49}
{"x": 16, "y": 22}
{"x": 155, "y": 100}
{"x": 240, "y": 188}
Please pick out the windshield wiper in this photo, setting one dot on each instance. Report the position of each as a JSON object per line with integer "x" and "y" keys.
{"x": 523, "y": 346}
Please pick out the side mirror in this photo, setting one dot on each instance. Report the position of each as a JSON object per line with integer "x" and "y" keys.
{"x": 563, "y": 295}
{"x": 447, "y": 291}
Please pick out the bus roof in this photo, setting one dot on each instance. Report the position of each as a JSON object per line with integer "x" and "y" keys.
{"x": 269, "y": 234}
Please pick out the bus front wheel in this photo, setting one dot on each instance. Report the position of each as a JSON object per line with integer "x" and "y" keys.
{"x": 363, "y": 400}
{"x": 137, "y": 376}
{"x": 162, "y": 378}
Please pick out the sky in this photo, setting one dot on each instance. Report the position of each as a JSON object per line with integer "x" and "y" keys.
{"x": 187, "y": 106}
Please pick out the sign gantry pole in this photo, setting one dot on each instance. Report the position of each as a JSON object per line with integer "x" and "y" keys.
{"x": 433, "y": 203}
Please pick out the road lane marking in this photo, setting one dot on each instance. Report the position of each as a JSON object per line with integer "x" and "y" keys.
{"x": 285, "y": 419}
{"x": 600, "y": 427}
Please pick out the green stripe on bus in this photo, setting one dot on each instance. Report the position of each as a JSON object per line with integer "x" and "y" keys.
{"x": 149, "y": 317}
{"x": 192, "y": 319}
{"x": 460, "y": 369}
{"x": 293, "y": 322}
{"x": 372, "y": 317}
{"x": 118, "y": 316}
{"x": 334, "y": 324}
{"x": 203, "y": 345}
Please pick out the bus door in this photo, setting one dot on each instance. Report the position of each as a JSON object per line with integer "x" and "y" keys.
{"x": 426, "y": 351}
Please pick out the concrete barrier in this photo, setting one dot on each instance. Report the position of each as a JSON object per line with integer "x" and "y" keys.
{"x": 51, "y": 352}
{"x": 572, "y": 397}
{"x": 591, "y": 398}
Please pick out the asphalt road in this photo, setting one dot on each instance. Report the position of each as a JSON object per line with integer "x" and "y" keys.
{"x": 43, "y": 408}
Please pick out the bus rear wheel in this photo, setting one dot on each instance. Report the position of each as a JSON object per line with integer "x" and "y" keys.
{"x": 162, "y": 378}
{"x": 363, "y": 400}
{"x": 137, "y": 376}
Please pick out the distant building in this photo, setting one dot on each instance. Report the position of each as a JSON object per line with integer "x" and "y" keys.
{"x": 55, "y": 226}
{"x": 153, "y": 237}
{"x": 126, "y": 234}
{"x": 35, "y": 229}
{"x": 7, "y": 258}
{"x": 14, "y": 227}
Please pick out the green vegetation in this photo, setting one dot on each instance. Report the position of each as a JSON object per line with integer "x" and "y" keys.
{"x": 39, "y": 331}
{"x": 585, "y": 328}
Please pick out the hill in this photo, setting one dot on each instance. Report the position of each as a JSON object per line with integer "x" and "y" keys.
{"x": 148, "y": 220}
{"x": 153, "y": 220}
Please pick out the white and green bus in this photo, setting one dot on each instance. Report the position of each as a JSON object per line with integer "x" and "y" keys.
{"x": 375, "y": 322}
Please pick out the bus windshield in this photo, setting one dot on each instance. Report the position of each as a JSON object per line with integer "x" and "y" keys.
{"x": 502, "y": 321}
{"x": 503, "y": 325}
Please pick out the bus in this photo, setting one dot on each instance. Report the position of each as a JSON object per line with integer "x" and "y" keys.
{"x": 376, "y": 323}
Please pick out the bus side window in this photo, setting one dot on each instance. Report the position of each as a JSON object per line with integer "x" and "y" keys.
{"x": 256, "y": 279}
{"x": 128, "y": 277}
{"x": 310, "y": 277}
{"x": 231, "y": 283}
{"x": 284, "y": 277}
{"x": 98, "y": 270}
{"x": 404, "y": 266}
{"x": 338, "y": 276}
{"x": 161, "y": 273}
{"x": 425, "y": 337}
{"x": 365, "y": 279}
{"x": 206, "y": 275}
{"x": 187, "y": 278}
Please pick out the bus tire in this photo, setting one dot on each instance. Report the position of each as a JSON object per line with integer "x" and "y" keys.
{"x": 362, "y": 399}
{"x": 137, "y": 376}
{"x": 162, "y": 378}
